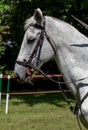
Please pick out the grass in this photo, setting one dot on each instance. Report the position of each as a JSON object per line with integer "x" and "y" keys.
{"x": 38, "y": 112}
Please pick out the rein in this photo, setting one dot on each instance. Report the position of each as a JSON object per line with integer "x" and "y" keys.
{"x": 28, "y": 64}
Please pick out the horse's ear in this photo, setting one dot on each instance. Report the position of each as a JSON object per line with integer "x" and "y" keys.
{"x": 38, "y": 16}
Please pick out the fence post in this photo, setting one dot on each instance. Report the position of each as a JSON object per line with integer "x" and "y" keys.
{"x": 7, "y": 95}
{"x": 0, "y": 88}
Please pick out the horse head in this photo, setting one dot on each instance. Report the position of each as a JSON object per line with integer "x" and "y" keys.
{"x": 35, "y": 48}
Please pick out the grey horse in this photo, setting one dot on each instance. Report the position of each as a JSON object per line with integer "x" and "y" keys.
{"x": 50, "y": 38}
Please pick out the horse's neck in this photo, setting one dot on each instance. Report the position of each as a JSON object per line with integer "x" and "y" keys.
{"x": 63, "y": 67}
{"x": 71, "y": 60}
{"x": 79, "y": 89}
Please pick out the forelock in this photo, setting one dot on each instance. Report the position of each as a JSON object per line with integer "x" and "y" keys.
{"x": 28, "y": 22}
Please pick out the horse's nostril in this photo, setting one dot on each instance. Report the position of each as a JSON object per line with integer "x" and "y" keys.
{"x": 17, "y": 75}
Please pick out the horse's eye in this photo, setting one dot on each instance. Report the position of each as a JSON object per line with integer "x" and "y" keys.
{"x": 31, "y": 40}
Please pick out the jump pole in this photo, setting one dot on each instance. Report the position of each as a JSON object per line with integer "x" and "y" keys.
{"x": 0, "y": 88}
{"x": 7, "y": 95}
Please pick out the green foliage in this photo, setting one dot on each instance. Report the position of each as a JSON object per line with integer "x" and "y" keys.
{"x": 3, "y": 31}
{"x": 3, "y": 22}
{"x": 2, "y": 49}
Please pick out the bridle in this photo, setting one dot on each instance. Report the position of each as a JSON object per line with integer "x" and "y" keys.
{"x": 40, "y": 42}
{"x": 28, "y": 64}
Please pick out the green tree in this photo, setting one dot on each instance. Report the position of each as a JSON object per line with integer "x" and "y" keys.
{"x": 3, "y": 29}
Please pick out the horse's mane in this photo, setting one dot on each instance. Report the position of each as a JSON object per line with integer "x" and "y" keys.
{"x": 50, "y": 20}
{"x": 31, "y": 20}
